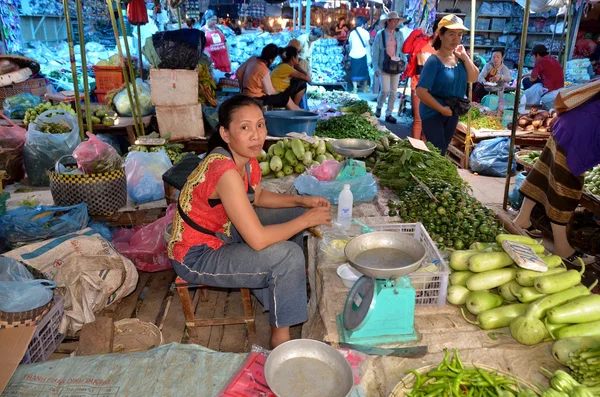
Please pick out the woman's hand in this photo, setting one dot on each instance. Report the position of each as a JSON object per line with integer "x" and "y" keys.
{"x": 314, "y": 202}
{"x": 317, "y": 216}
{"x": 446, "y": 111}
{"x": 461, "y": 53}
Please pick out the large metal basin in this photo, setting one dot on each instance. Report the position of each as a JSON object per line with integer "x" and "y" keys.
{"x": 306, "y": 368}
{"x": 353, "y": 148}
{"x": 383, "y": 242}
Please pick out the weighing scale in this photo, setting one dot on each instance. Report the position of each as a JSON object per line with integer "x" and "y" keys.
{"x": 380, "y": 308}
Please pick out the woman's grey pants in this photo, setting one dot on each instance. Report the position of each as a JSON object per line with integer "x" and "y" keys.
{"x": 280, "y": 267}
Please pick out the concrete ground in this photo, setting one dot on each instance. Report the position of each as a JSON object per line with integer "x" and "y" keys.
{"x": 402, "y": 128}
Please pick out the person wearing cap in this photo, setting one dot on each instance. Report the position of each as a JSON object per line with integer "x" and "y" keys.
{"x": 388, "y": 42}
{"x": 444, "y": 77}
{"x": 547, "y": 71}
{"x": 306, "y": 41}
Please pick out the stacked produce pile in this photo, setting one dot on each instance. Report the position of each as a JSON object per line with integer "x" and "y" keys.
{"x": 350, "y": 126}
{"x": 592, "y": 181}
{"x": 536, "y": 121}
{"x": 32, "y": 113}
{"x": 531, "y": 158}
{"x": 553, "y": 304}
{"x": 173, "y": 150}
{"x": 290, "y": 156}
{"x": 483, "y": 120}
{"x": 246, "y": 45}
{"x": 327, "y": 59}
{"x": 582, "y": 356}
{"x": 319, "y": 93}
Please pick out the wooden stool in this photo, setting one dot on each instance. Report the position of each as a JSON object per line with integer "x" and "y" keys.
{"x": 188, "y": 308}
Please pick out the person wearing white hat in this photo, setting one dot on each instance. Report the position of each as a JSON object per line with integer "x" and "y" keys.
{"x": 389, "y": 63}
{"x": 443, "y": 83}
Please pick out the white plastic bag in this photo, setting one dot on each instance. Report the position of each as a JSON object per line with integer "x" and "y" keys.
{"x": 144, "y": 175}
{"x": 534, "y": 94}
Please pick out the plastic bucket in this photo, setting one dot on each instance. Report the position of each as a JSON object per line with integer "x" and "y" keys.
{"x": 282, "y": 122}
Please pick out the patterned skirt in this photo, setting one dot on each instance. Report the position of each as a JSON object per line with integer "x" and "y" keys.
{"x": 552, "y": 185}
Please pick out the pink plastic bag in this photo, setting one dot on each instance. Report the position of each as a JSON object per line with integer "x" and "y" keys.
{"x": 146, "y": 245}
{"x": 327, "y": 171}
{"x": 249, "y": 380}
{"x": 11, "y": 137}
{"x": 95, "y": 157}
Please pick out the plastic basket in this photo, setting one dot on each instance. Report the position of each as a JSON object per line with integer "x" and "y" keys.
{"x": 33, "y": 86}
{"x": 100, "y": 96}
{"x": 108, "y": 77}
{"x": 431, "y": 288}
{"x": 47, "y": 336}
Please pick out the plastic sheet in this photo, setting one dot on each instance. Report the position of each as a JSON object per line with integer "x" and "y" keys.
{"x": 28, "y": 224}
{"x": 363, "y": 188}
{"x": 144, "y": 175}
{"x": 515, "y": 197}
{"x": 146, "y": 245}
{"x": 249, "y": 380}
{"x": 179, "y": 49}
{"x": 19, "y": 291}
{"x": 95, "y": 157}
{"x": 16, "y": 106}
{"x": 490, "y": 157}
{"x": 41, "y": 150}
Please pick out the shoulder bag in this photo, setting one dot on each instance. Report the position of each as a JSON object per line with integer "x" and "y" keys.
{"x": 390, "y": 66}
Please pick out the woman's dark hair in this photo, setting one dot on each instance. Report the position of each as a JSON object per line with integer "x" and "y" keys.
{"x": 288, "y": 53}
{"x": 500, "y": 50}
{"x": 437, "y": 43}
{"x": 269, "y": 52}
{"x": 435, "y": 26}
{"x": 225, "y": 114}
{"x": 361, "y": 21}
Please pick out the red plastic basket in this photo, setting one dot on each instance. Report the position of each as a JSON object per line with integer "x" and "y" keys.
{"x": 108, "y": 77}
{"x": 47, "y": 336}
{"x": 100, "y": 96}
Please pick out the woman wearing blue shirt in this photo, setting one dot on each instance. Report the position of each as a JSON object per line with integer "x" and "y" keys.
{"x": 444, "y": 76}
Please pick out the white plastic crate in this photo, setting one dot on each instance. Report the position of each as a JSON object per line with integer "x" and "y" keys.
{"x": 431, "y": 288}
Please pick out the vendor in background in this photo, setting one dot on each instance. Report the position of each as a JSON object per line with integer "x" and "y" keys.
{"x": 340, "y": 27}
{"x": 230, "y": 233}
{"x": 255, "y": 80}
{"x": 360, "y": 55}
{"x": 547, "y": 71}
{"x": 556, "y": 180}
{"x": 189, "y": 22}
{"x": 388, "y": 43}
{"x": 306, "y": 41}
{"x": 216, "y": 47}
{"x": 420, "y": 47}
{"x": 445, "y": 76}
{"x": 286, "y": 77}
{"x": 493, "y": 72}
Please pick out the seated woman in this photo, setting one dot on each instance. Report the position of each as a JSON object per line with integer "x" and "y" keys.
{"x": 286, "y": 77}
{"x": 230, "y": 233}
{"x": 255, "y": 80}
{"x": 493, "y": 72}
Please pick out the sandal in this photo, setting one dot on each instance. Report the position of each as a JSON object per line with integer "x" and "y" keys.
{"x": 574, "y": 259}
{"x": 533, "y": 232}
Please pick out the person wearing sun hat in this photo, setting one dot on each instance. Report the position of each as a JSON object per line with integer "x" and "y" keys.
{"x": 444, "y": 79}
{"x": 388, "y": 45}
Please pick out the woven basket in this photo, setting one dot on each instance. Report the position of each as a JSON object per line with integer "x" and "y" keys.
{"x": 103, "y": 193}
{"x": 30, "y": 317}
{"x": 524, "y": 153}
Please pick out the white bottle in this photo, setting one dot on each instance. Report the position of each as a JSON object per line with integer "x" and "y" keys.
{"x": 345, "y": 199}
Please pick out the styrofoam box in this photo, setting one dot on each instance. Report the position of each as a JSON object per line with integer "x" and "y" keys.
{"x": 180, "y": 123}
{"x": 174, "y": 87}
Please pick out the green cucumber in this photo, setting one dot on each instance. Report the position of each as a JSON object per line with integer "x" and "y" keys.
{"x": 498, "y": 317}
{"x": 480, "y": 301}
{"x": 526, "y": 278}
{"x": 489, "y": 261}
{"x": 558, "y": 282}
{"x": 516, "y": 238}
{"x": 460, "y": 278}
{"x": 459, "y": 259}
{"x": 584, "y": 309}
{"x": 490, "y": 279}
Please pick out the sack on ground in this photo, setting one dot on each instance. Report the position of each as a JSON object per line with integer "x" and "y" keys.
{"x": 42, "y": 150}
{"x": 146, "y": 245}
{"x": 29, "y": 224}
{"x": 490, "y": 157}
{"x": 86, "y": 269}
{"x": 95, "y": 157}
{"x": 144, "y": 175}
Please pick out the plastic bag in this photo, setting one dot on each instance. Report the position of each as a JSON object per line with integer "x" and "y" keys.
{"x": 327, "y": 171}
{"x": 179, "y": 49}
{"x": 144, "y": 175}
{"x": 19, "y": 291}
{"x": 29, "y": 224}
{"x": 515, "y": 197}
{"x": 146, "y": 245}
{"x": 331, "y": 246}
{"x": 11, "y": 137}
{"x": 534, "y": 94}
{"x": 249, "y": 380}
{"x": 41, "y": 150}
{"x": 363, "y": 188}
{"x": 112, "y": 141}
{"x": 121, "y": 100}
{"x": 490, "y": 157}
{"x": 16, "y": 106}
{"x": 95, "y": 157}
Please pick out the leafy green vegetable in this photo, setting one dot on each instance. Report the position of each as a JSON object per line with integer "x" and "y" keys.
{"x": 348, "y": 126}
{"x": 356, "y": 107}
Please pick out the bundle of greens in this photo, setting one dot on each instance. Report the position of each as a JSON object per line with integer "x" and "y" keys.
{"x": 356, "y": 107}
{"x": 393, "y": 164}
{"x": 348, "y": 126}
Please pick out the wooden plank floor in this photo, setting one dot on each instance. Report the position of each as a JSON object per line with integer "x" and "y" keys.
{"x": 155, "y": 300}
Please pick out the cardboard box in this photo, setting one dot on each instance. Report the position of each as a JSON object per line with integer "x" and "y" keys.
{"x": 13, "y": 345}
{"x": 174, "y": 87}
{"x": 180, "y": 123}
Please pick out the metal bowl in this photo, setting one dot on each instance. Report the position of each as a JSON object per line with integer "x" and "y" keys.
{"x": 305, "y": 368}
{"x": 383, "y": 263}
{"x": 354, "y": 148}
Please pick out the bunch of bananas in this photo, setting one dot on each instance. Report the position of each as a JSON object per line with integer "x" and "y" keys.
{"x": 32, "y": 113}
